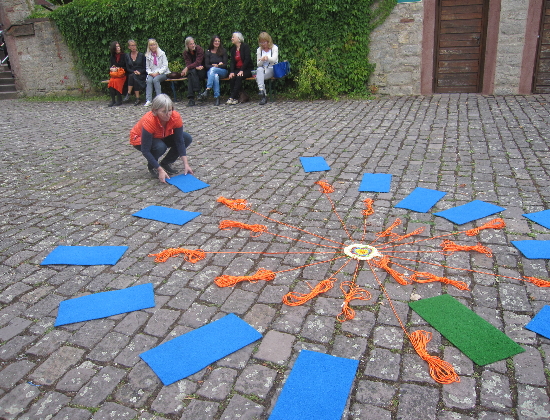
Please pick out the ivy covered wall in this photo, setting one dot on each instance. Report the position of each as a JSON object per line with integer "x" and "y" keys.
{"x": 326, "y": 39}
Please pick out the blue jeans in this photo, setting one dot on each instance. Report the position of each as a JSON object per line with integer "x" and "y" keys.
{"x": 157, "y": 80}
{"x": 160, "y": 146}
{"x": 213, "y": 80}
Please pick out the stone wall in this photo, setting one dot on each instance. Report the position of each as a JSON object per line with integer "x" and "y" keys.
{"x": 511, "y": 42}
{"x": 396, "y": 49}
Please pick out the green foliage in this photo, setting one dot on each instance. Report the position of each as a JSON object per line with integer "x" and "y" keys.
{"x": 332, "y": 34}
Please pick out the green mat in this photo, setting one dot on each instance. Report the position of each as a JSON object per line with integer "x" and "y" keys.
{"x": 470, "y": 333}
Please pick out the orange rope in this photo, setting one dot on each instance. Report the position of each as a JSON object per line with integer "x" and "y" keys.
{"x": 388, "y": 231}
{"x": 296, "y": 299}
{"x": 429, "y": 278}
{"x": 450, "y": 247}
{"x": 384, "y": 263}
{"x": 326, "y": 188}
{"x": 190, "y": 255}
{"x": 228, "y": 224}
{"x": 354, "y": 293}
{"x": 440, "y": 370}
{"x": 497, "y": 223}
{"x": 537, "y": 282}
{"x": 261, "y": 274}
{"x": 234, "y": 204}
{"x": 368, "y": 202}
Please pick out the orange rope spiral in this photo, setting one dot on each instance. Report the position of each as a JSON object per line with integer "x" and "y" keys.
{"x": 440, "y": 370}
{"x": 538, "y": 282}
{"x": 450, "y": 247}
{"x": 423, "y": 277}
{"x": 497, "y": 223}
{"x": 326, "y": 188}
{"x": 236, "y": 204}
{"x": 369, "y": 210}
{"x": 353, "y": 292}
{"x": 384, "y": 263}
{"x": 262, "y": 274}
{"x": 228, "y": 224}
{"x": 190, "y": 255}
{"x": 296, "y": 299}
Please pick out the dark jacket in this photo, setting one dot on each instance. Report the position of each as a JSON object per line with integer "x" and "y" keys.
{"x": 245, "y": 57}
{"x": 120, "y": 63}
{"x": 211, "y": 58}
{"x": 139, "y": 64}
{"x": 194, "y": 60}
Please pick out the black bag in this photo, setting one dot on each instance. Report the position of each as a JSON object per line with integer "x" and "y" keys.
{"x": 243, "y": 97}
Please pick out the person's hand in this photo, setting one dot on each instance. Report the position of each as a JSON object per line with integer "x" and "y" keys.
{"x": 264, "y": 58}
{"x": 163, "y": 176}
{"x": 136, "y": 72}
{"x": 214, "y": 65}
{"x": 219, "y": 64}
{"x": 187, "y": 170}
{"x": 114, "y": 68}
{"x": 184, "y": 72}
{"x": 153, "y": 74}
{"x": 240, "y": 74}
{"x": 231, "y": 75}
{"x": 199, "y": 67}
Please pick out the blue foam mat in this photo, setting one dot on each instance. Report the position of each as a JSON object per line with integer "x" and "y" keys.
{"x": 316, "y": 389}
{"x": 540, "y": 324}
{"x": 104, "y": 304}
{"x": 375, "y": 183}
{"x": 187, "y": 183}
{"x": 421, "y": 200}
{"x": 85, "y": 255}
{"x": 187, "y": 354}
{"x": 533, "y": 249}
{"x": 167, "y": 215}
{"x": 468, "y": 212}
{"x": 540, "y": 217}
{"x": 314, "y": 164}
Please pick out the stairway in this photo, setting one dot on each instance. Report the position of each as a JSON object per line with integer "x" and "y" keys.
{"x": 7, "y": 84}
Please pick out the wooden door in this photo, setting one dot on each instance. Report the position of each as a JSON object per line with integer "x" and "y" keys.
{"x": 460, "y": 45}
{"x": 541, "y": 80}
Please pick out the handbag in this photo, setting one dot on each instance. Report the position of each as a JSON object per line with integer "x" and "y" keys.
{"x": 243, "y": 97}
{"x": 281, "y": 69}
{"x": 119, "y": 72}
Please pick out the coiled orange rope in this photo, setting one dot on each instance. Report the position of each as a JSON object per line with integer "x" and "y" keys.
{"x": 451, "y": 247}
{"x": 424, "y": 277}
{"x": 296, "y": 299}
{"x": 190, "y": 255}
{"x": 440, "y": 370}
{"x": 228, "y": 224}
{"x": 384, "y": 263}
{"x": 353, "y": 292}
{"x": 369, "y": 210}
{"x": 538, "y": 282}
{"x": 261, "y": 274}
{"x": 326, "y": 188}
{"x": 234, "y": 204}
{"x": 497, "y": 223}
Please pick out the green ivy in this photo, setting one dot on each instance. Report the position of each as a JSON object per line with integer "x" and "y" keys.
{"x": 332, "y": 34}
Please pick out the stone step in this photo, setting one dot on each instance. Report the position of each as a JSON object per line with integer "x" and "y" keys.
{"x": 9, "y": 95}
{"x": 6, "y": 80}
{"x": 8, "y": 88}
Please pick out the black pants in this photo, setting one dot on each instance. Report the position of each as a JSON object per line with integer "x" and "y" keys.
{"x": 194, "y": 78}
{"x": 236, "y": 82}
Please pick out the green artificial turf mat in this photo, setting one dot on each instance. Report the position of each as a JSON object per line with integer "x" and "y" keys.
{"x": 470, "y": 333}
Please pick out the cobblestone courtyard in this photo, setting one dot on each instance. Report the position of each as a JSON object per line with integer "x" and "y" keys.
{"x": 71, "y": 178}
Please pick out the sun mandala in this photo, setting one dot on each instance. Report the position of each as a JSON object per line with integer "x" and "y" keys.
{"x": 384, "y": 253}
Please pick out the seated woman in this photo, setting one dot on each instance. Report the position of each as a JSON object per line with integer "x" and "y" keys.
{"x": 156, "y": 65}
{"x": 240, "y": 67}
{"x": 267, "y": 55}
{"x": 117, "y": 73}
{"x": 215, "y": 61}
{"x": 193, "y": 55}
{"x": 135, "y": 66}
{"x": 159, "y": 130}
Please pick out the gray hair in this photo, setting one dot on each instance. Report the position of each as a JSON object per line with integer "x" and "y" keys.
{"x": 162, "y": 101}
{"x": 187, "y": 41}
{"x": 239, "y": 36}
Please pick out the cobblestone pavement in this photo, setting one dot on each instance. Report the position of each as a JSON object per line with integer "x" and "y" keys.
{"x": 71, "y": 178}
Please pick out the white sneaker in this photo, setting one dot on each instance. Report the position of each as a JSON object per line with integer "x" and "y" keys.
{"x": 148, "y": 103}
{"x": 229, "y": 101}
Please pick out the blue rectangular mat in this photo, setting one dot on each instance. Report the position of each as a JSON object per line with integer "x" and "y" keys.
{"x": 468, "y": 212}
{"x": 314, "y": 164}
{"x": 421, "y": 200}
{"x": 187, "y": 183}
{"x": 375, "y": 183}
{"x": 316, "y": 389}
{"x": 540, "y": 217}
{"x": 85, "y": 255}
{"x": 187, "y": 354}
{"x": 533, "y": 249}
{"x": 540, "y": 324}
{"x": 104, "y": 304}
{"x": 167, "y": 215}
